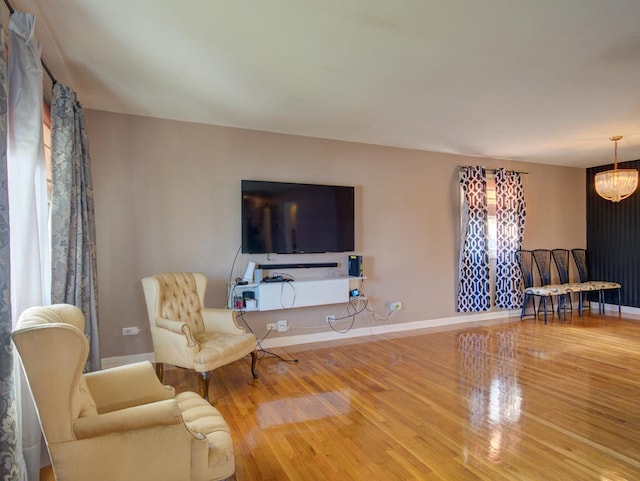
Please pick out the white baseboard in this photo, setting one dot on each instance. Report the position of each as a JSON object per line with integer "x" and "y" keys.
{"x": 372, "y": 330}
{"x": 116, "y": 361}
{"x": 108, "y": 362}
{"x": 384, "y": 329}
{"x": 614, "y": 309}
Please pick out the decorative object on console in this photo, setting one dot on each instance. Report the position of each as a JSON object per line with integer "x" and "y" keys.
{"x": 248, "y": 274}
{"x": 257, "y": 275}
{"x": 355, "y": 266}
{"x": 617, "y": 184}
{"x": 188, "y": 335}
{"x": 120, "y": 423}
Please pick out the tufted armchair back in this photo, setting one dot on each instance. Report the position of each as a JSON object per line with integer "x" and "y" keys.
{"x": 182, "y": 298}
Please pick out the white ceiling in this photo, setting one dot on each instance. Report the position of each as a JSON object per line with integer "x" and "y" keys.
{"x": 545, "y": 81}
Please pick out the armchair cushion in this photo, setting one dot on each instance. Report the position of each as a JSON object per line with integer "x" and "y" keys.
{"x": 220, "y": 349}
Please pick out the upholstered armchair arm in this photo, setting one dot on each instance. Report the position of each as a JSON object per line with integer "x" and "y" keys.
{"x": 178, "y": 328}
{"x": 126, "y": 386}
{"x": 221, "y": 320}
{"x": 161, "y": 413}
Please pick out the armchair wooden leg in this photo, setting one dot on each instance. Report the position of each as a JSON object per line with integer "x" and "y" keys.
{"x": 160, "y": 370}
{"x": 203, "y": 384}
{"x": 254, "y": 359}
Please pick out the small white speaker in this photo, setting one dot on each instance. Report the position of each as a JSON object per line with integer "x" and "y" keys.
{"x": 257, "y": 276}
{"x": 248, "y": 274}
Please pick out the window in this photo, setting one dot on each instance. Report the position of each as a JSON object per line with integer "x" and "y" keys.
{"x": 486, "y": 261}
{"x": 492, "y": 225}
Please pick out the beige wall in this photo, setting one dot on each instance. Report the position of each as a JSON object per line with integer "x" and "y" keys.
{"x": 167, "y": 197}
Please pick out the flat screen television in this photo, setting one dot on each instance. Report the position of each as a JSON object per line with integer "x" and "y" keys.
{"x": 290, "y": 218}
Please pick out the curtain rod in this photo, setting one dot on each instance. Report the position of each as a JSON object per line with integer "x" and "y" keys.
{"x": 490, "y": 170}
{"x": 44, "y": 64}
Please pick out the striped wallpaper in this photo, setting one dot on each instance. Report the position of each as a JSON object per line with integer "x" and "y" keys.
{"x": 613, "y": 238}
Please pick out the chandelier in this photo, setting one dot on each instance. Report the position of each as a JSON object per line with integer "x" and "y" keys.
{"x": 617, "y": 184}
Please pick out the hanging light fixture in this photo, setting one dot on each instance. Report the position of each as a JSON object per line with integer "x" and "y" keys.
{"x": 617, "y": 184}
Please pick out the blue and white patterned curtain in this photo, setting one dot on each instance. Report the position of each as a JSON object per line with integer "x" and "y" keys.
{"x": 73, "y": 231}
{"x": 510, "y": 220}
{"x": 473, "y": 274}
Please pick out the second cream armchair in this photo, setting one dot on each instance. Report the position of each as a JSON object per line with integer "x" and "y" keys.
{"x": 188, "y": 335}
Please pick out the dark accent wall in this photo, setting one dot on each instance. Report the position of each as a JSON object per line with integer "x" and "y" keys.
{"x": 613, "y": 238}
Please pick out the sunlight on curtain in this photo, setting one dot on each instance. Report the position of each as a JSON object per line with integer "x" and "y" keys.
{"x": 29, "y": 238}
{"x": 27, "y": 171}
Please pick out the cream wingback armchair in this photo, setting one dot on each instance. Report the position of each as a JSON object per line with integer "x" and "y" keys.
{"x": 188, "y": 335}
{"x": 119, "y": 423}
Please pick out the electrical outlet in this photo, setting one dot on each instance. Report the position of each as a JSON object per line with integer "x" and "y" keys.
{"x": 130, "y": 331}
{"x": 395, "y": 306}
{"x": 271, "y": 326}
{"x": 282, "y": 326}
{"x": 331, "y": 318}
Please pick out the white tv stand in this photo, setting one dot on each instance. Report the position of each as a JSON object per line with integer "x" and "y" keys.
{"x": 270, "y": 296}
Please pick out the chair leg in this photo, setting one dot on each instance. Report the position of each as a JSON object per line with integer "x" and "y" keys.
{"x": 160, "y": 371}
{"x": 254, "y": 360}
{"x": 580, "y": 303}
{"x": 203, "y": 384}
{"x": 619, "y": 301}
{"x": 525, "y": 303}
{"x": 563, "y": 300}
{"x": 601, "y": 302}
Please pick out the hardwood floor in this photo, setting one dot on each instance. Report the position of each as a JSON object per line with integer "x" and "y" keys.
{"x": 512, "y": 400}
{"x": 46, "y": 474}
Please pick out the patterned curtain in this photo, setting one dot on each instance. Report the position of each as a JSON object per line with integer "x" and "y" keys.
{"x": 9, "y": 447}
{"x": 73, "y": 233}
{"x": 510, "y": 220}
{"x": 473, "y": 274}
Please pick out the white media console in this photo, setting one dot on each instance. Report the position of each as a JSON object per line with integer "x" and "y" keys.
{"x": 269, "y": 296}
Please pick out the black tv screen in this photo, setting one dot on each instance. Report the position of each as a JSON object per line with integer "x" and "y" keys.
{"x": 289, "y": 218}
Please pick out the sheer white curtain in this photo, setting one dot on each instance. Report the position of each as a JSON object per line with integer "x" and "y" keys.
{"x": 26, "y": 171}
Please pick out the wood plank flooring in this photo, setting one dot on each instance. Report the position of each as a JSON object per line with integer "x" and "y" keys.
{"x": 513, "y": 400}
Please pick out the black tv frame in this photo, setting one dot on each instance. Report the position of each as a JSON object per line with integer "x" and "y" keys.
{"x": 320, "y": 219}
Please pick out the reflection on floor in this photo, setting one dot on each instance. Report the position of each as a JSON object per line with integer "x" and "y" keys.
{"x": 513, "y": 400}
